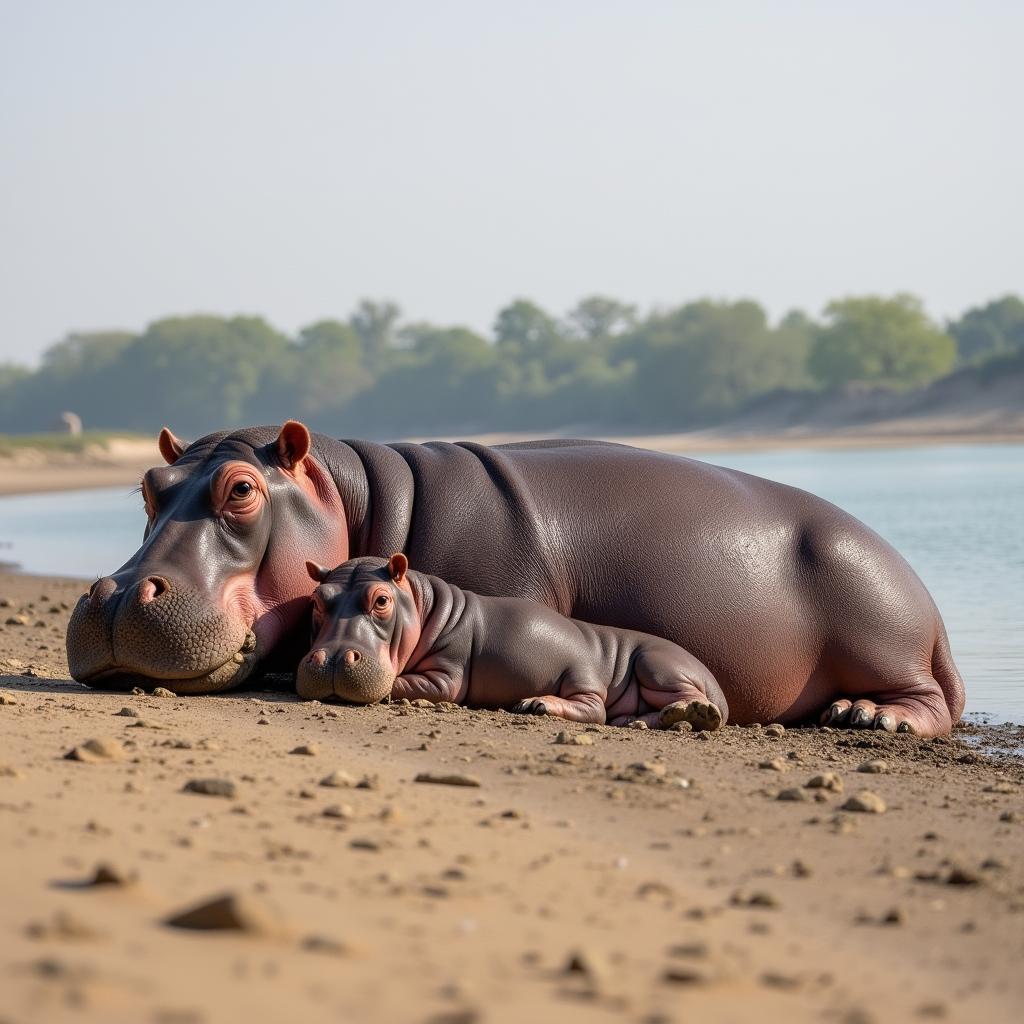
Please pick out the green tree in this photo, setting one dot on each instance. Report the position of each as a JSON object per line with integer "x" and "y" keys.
{"x": 374, "y": 324}
{"x": 989, "y": 330}
{"x": 597, "y": 317}
{"x": 526, "y": 326}
{"x": 887, "y": 341}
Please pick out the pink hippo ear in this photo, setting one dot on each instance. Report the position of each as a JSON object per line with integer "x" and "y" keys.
{"x": 170, "y": 447}
{"x": 293, "y": 444}
{"x": 317, "y": 573}
{"x": 398, "y": 566}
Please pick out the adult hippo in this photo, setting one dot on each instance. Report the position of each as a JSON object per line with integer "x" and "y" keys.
{"x": 798, "y": 609}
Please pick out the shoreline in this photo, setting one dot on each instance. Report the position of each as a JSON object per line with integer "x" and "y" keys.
{"x": 37, "y": 472}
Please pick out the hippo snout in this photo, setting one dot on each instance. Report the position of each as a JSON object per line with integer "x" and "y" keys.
{"x": 153, "y": 630}
{"x": 347, "y": 673}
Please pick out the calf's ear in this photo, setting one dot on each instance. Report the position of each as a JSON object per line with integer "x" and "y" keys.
{"x": 170, "y": 447}
{"x": 398, "y": 566}
{"x": 293, "y": 444}
{"x": 317, "y": 573}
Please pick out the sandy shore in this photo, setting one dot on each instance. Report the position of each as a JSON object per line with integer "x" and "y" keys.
{"x": 123, "y": 464}
{"x": 625, "y": 875}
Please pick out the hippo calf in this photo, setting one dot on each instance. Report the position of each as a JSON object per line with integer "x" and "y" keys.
{"x": 383, "y": 630}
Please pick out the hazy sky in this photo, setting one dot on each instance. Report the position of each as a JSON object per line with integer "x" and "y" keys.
{"x": 287, "y": 158}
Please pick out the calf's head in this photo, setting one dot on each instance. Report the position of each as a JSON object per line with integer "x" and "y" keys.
{"x": 366, "y": 625}
{"x": 220, "y": 576}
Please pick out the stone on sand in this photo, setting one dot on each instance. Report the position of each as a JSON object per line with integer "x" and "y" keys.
{"x": 874, "y": 767}
{"x": 162, "y": 691}
{"x": 108, "y": 874}
{"x": 338, "y": 780}
{"x": 211, "y": 787}
{"x": 306, "y": 749}
{"x": 450, "y": 779}
{"x": 865, "y": 802}
{"x": 237, "y": 912}
{"x": 97, "y": 750}
{"x": 574, "y": 739}
{"x": 826, "y": 780}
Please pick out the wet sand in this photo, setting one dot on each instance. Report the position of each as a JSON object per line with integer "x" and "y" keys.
{"x": 623, "y": 875}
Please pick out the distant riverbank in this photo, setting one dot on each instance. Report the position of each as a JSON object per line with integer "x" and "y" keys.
{"x": 121, "y": 461}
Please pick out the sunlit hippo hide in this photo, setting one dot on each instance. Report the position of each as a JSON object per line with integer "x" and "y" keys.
{"x": 383, "y": 630}
{"x": 797, "y": 609}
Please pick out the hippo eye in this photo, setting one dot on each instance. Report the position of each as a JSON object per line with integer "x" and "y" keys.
{"x": 382, "y": 601}
{"x": 241, "y": 490}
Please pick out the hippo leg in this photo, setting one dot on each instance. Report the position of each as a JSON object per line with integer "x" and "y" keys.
{"x": 920, "y": 708}
{"x": 670, "y": 685}
{"x": 585, "y": 705}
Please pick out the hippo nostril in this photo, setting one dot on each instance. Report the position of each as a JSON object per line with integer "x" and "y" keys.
{"x": 101, "y": 590}
{"x": 351, "y": 657}
{"x": 318, "y": 657}
{"x": 151, "y": 588}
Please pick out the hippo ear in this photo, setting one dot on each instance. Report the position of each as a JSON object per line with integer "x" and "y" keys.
{"x": 170, "y": 447}
{"x": 293, "y": 444}
{"x": 317, "y": 573}
{"x": 398, "y": 566}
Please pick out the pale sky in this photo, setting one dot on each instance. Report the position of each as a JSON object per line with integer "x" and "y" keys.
{"x": 287, "y": 158}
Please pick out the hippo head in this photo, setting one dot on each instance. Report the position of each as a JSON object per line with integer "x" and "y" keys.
{"x": 366, "y": 625}
{"x": 220, "y": 575}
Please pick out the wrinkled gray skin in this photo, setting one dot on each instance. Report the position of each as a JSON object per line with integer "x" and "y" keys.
{"x": 384, "y": 631}
{"x": 800, "y": 611}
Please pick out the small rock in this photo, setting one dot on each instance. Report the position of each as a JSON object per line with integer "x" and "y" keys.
{"x": 453, "y": 779}
{"x": 776, "y": 764}
{"x": 574, "y": 739}
{"x": 894, "y": 916}
{"x": 687, "y": 974}
{"x": 759, "y": 899}
{"x": 306, "y": 749}
{"x": 638, "y": 723}
{"x": 775, "y": 731}
{"x": 343, "y": 811}
{"x": 8, "y": 771}
{"x": 865, "y": 802}
{"x": 793, "y": 794}
{"x": 236, "y": 912}
{"x": 162, "y": 691}
{"x": 338, "y": 780}
{"x": 6, "y": 698}
{"x": 127, "y": 713}
{"x": 95, "y": 751}
{"x": 211, "y": 787}
{"x": 589, "y": 964}
{"x": 874, "y": 767}
{"x": 680, "y": 727}
{"x": 16, "y": 620}
{"x": 959, "y": 875}
{"x": 326, "y": 945}
{"x": 107, "y": 874}
{"x": 826, "y": 780}
{"x": 801, "y": 870}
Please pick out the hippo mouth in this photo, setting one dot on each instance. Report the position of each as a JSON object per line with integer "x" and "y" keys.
{"x": 232, "y": 672}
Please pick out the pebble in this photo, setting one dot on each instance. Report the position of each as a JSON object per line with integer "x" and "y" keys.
{"x": 574, "y": 739}
{"x": 162, "y": 691}
{"x": 760, "y": 899}
{"x": 826, "y": 780}
{"x": 453, "y": 779}
{"x": 107, "y": 874}
{"x": 306, "y": 749}
{"x": 638, "y": 724}
{"x": 687, "y": 974}
{"x": 326, "y": 945}
{"x": 959, "y": 875}
{"x": 338, "y": 811}
{"x": 680, "y": 727}
{"x": 338, "y": 780}
{"x": 865, "y": 802}
{"x": 6, "y": 698}
{"x": 8, "y": 771}
{"x": 94, "y": 751}
{"x": 793, "y": 793}
{"x": 588, "y": 963}
{"x": 126, "y": 713}
{"x": 230, "y": 912}
{"x": 211, "y": 787}
{"x": 875, "y": 767}
{"x": 16, "y": 620}
{"x": 775, "y": 731}
{"x": 776, "y": 764}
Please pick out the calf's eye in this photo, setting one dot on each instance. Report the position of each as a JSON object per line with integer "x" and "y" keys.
{"x": 241, "y": 490}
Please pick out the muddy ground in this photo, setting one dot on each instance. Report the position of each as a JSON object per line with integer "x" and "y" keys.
{"x": 616, "y": 875}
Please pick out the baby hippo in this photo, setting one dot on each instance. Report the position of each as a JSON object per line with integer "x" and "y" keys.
{"x": 382, "y": 630}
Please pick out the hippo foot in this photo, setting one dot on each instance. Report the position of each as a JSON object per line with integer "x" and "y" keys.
{"x": 533, "y": 706}
{"x": 866, "y": 714}
{"x": 703, "y": 717}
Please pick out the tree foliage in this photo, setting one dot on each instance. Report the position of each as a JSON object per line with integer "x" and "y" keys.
{"x": 873, "y": 340}
{"x": 601, "y": 367}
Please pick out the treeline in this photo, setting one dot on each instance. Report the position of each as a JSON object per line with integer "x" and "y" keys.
{"x": 601, "y": 366}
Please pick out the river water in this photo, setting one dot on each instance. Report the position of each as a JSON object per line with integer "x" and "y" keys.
{"x": 955, "y": 513}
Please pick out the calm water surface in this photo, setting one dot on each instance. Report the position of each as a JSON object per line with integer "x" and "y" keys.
{"x": 955, "y": 513}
